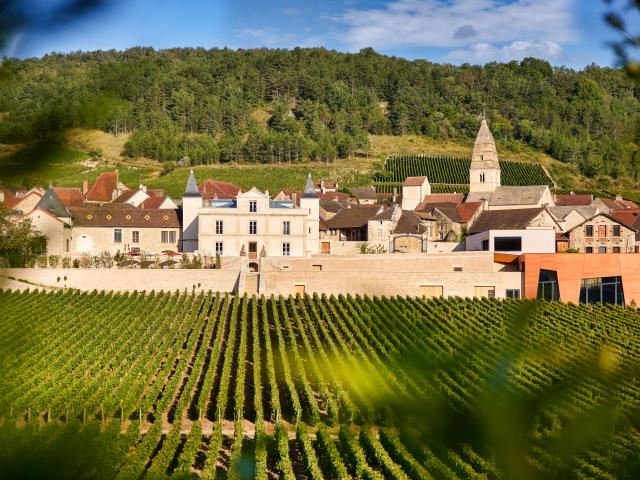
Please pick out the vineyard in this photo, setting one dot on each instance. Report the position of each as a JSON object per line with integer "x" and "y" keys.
{"x": 455, "y": 170}
{"x": 99, "y": 385}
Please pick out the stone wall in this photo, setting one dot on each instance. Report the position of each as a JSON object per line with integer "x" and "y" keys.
{"x": 89, "y": 279}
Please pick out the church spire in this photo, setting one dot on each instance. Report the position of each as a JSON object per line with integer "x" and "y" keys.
{"x": 485, "y": 154}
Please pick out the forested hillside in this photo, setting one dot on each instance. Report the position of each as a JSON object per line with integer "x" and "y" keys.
{"x": 290, "y": 106}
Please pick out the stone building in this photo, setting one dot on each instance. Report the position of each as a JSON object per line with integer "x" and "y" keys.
{"x": 603, "y": 234}
{"x": 251, "y": 224}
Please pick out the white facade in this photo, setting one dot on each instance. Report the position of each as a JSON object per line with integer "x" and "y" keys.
{"x": 414, "y": 189}
{"x": 252, "y": 225}
{"x": 532, "y": 240}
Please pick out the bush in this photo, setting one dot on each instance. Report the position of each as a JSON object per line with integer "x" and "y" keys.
{"x": 54, "y": 261}
{"x": 76, "y": 263}
{"x": 66, "y": 262}
{"x": 42, "y": 261}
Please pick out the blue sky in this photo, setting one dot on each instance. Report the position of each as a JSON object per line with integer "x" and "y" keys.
{"x": 565, "y": 32}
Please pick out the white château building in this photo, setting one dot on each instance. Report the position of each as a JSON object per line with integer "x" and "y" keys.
{"x": 251, "y": 225}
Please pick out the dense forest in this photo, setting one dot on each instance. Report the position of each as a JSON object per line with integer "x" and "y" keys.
{"x": 267, "y": 106}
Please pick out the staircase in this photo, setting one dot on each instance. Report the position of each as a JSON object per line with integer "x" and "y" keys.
{"x": 251, "y": 284}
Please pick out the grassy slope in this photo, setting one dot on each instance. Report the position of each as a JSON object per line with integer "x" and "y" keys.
{"x": 57, "y": 167}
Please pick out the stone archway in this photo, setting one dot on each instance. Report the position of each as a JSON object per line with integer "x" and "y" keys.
{"x": 253, "y": 267}
{"x": 409, "y": 243}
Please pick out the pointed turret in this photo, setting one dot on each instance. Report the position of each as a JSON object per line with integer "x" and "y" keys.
{"x": 309, "y": 189}
{"x": 484, "y": 172}
{"x": 484, "y": 148}
{"x": 192, "y": 187}
{"x": 51, "y": 203}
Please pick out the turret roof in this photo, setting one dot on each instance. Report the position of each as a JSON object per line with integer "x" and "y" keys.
{"x": 309, "y": 189}
{"x": 192, "y": 187}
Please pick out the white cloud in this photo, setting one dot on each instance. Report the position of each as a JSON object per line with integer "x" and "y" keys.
{"x": 475, "y": 25}
{"x": 485, "y": 52}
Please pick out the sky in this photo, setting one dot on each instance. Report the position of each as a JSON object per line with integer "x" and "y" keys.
{"x": 564, "y": 32}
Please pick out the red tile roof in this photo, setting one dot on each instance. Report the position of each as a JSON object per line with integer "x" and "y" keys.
{"x": 456, "y": 212}
{"x": 413, "y": 181}
{"x": 444, "y": 197}
{"x": 102, "y": 189}
{"x": 153, "y": 202}
{"x": 629, "y": 217}
{"x": 124, "y": 217}
{"x": 618, "y": 204}
{"x": 70, "y": 197}
{"x": 573, "y": 200}
{"x": 125, "y": 196}
{"x": 337, "y": 196}
{"x": 215, "y": 189}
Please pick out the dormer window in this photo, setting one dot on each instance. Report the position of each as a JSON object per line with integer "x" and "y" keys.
{"x": 253, "y": 206}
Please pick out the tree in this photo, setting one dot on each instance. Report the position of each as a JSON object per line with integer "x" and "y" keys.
{"x": 19, "y": 242}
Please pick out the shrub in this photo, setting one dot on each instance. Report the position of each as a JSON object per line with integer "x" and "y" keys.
{"x": 54, "y": 261}
{"x": 66, "y": 262}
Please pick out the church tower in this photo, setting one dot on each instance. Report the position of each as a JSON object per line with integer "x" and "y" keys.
{"x": 484, "y": 173}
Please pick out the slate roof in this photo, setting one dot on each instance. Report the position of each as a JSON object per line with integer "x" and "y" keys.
{"x": 409, "y": 223}
{"x": 413, "y": 181}
{"x": 102, "y": 189}
{"x": 573, "y": 200}
{"x": 309, "y": 189}
{"x": 52, "y": 204}
{"x": 356, "y": 216}
{"x": 513, "y": 219}
{"x": 124, "y": 217}
{"x": 192, "y": 186}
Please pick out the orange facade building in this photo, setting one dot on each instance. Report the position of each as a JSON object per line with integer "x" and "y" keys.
{"x": 579, "y": 277}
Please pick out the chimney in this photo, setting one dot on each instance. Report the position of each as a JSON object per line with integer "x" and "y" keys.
{"x": 85, "y": 186}
{"x": 143, "y": 188}
{"x": 619, "y": 198}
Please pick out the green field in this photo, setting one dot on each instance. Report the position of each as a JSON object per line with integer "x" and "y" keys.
{"x": 134, "y": 385}
{"x": 455, "y": 170}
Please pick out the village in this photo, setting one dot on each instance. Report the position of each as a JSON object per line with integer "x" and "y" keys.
{"x": 494, "y": 241}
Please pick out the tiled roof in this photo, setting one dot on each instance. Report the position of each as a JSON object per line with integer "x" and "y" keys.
{"x": 573, "y": 200}
{"x": 356, "y": 216}
{"x": 364, "y": 193}
{"x": 102, "y": 189}
{"x": 513, "y": 219}
{"x": 561, "y": 212}
{"x": 618, "y": 204}
{"x": 456, "y": 212}
{"x": 338, "y": 196}
{"x": 125, "y": 196}
{"x": 444, "y": 197}
{"x": 215, "y": 189}
{"x": 331, "y": 206}
{"x": 413, "y": 181}
{"x": 508, "y": 195}
{"x": 409, "y": 223}
{"x": 70, "y": 197}
{"x": 629, "y": 218}
{"x": 385, "y": 215}
{"x": 124, "y": 217}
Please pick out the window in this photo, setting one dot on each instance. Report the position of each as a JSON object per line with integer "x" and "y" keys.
{"x": 602, "y": 290}
{"x": 316, "y": 268}
{"x": 602, "y": 249}
{"x": 167, "y": 236}
{"x": 286, "y": 249}
{"x": 507, "y": 244}
{"x": 458, "y": 269}
{"x": 286, "y": 227}
{"x": 513, "y": 293}
{"x": 588, "y": 249}
{"x": 548, "y": 285}
{"x": 219, "y": 227}
{"x": 489, "y": 292}
{"x": 602, "y": 230}
{"x": 485, "y": 245}
{"x": 117, "y": 235}
{"x": 482, "y": 178}
{"x": 615, "y": 249}
{"x": 253, "y": 227}
{"x": 219, "y": 248}
{"x": 253, "y": 206}
{"x": 588, "y": 230}
{"x": 67, "y": 245}
{"x": 616, "y": 230}
{"x": 135, "y": 236}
